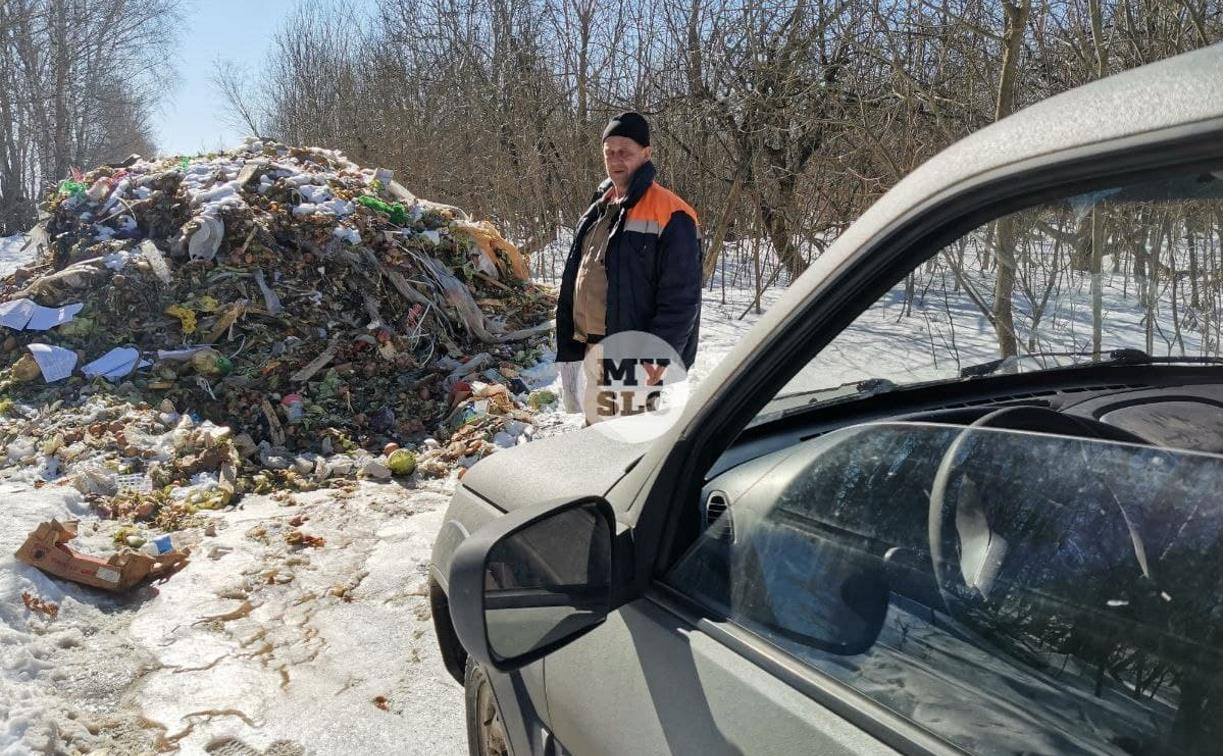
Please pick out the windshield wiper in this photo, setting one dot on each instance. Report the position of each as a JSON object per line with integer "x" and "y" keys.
{"x": 872, "y": 386}
{"x": 861, "y": 390}
{"x": 1126, "y": 356}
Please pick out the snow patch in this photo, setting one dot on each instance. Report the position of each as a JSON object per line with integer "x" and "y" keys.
{"x": 12, "y": 254}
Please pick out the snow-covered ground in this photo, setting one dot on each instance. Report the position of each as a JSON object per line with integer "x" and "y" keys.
{"x": 256, "y": 643}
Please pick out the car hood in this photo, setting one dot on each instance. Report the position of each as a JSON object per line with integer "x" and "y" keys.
{"x": 581, "y": 463}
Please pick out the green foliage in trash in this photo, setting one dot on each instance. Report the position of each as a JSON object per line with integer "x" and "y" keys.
{"x": 80, "y": 327}
{"x": 329, "y": 386}
{"x": 183, "y": 163}
{"x": 68, "y": 187}
{"x": 393, "y": 210}
{"x": 540, "y": 398}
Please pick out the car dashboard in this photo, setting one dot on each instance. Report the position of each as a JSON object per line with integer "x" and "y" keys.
{"x": 874, "y": 498}
{"x": 1169, "y": 407}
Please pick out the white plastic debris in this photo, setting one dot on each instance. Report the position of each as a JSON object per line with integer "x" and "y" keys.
{"x": 138, "y": 482}
{"x": 207, "y": 238}
{"x": 16, "y": 313}
{"x": 180, "y": 355}
{"x": 341, "y": 465}
{"x": 376, "y": 468}
{"x": 56, "y": 363}
{"x": 315, "y": 194}
{"x": 25, "y": 314}
{"x": 336, "y": 207}
{"x": 21, "y": 450}
{"x": 270, "y": 300}
{"x": 94, "y": 480}
{"x": 113, "y": 365}
{"x": 46, "y": 318}
{"x": 156, "y": 261}
{"x": 117, "y": 261}
{"x": 350, "y": 235}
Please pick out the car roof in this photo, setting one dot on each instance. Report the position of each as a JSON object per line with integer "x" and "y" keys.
{"x": 1177, "y": 92}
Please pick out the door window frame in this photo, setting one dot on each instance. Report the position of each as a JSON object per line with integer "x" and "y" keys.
{"x": 886, "y": 257}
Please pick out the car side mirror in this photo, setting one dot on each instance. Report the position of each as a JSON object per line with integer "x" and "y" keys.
{"x": 532, "y": 581}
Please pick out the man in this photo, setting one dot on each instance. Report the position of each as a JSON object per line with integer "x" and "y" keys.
{"x": 635, "y": 263}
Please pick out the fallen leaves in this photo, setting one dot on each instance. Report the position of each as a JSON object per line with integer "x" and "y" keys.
{"x": 300, "y": 539}
{"x": 48, "y": 609}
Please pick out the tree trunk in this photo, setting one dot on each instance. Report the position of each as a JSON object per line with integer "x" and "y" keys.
{"x": 778, "y": 230}
{"x": 1004, "y": 288}
{"x": 719, "y": 234}
{"x": 1097, "y": 217}
{"x": 1152, "y": 296}
{"x": 1097, "y": 282}
{"x": 1141, "y": 261}
{"x": 1004, "y": 283}
{"x": 1194, "y": 299}
{"x": 60, "y": 62}
{"x": 759, "y": 274}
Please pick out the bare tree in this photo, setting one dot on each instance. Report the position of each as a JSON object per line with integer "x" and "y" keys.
{"x": 233, "y": 84}
{"x": 79, "y": 80}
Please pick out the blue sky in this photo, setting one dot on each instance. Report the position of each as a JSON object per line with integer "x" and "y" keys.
{"x": 192, "y": 118}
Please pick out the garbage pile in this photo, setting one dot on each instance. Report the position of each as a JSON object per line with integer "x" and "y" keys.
{"x": 270, "y": 316}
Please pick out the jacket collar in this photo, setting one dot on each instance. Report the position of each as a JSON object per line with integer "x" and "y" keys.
{"x": 640, "y": 182}
{"x": 601, "y": 191}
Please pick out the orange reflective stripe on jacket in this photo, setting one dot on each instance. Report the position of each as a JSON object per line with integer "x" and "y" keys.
{"x": 653, "y": 211}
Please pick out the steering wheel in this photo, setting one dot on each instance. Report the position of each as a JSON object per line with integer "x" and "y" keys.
{"x": 970, "y": 536}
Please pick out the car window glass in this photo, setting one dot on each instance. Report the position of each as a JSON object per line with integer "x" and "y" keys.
{"x": 1009, "y": 591}
{"x": 1062, "y": 283}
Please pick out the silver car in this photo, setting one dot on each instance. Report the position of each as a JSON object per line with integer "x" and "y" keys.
{"x": 959, "y": 490}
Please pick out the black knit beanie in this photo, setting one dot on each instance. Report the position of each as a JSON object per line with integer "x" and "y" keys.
{"x": 631, "y": 125}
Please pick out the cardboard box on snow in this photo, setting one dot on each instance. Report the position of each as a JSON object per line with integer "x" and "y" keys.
{"x": 46, "y": 548}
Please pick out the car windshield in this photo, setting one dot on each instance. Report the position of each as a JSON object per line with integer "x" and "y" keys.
{"x": 1128, "y": 273}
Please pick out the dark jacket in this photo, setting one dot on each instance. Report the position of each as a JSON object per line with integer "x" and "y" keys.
{"x": 653, "y": 270}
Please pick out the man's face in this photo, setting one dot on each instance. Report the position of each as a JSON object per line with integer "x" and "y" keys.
{"x": 622, "y": 157}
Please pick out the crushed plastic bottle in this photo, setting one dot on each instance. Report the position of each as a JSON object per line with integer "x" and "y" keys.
{"x": 163, "y": 544}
